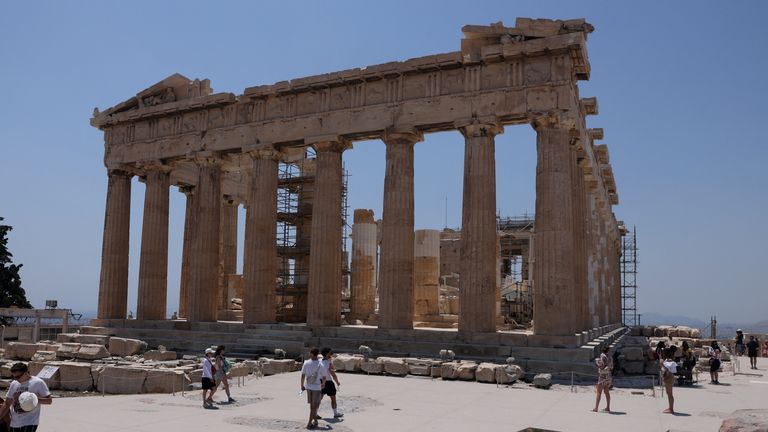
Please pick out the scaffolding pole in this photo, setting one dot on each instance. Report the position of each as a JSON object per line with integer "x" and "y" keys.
{"x": 629, "y": 278}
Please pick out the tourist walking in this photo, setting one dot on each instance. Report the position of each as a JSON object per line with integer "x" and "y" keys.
{"x": 739, "y": 342}
{"x": 313, "y": 381}
{"x": 714, "y": 363}
{"x": 668, "y": 371}
{"x": 604, "y": 368}
{"x": 330, "y": 378}
{"x": 222, "y": 369}
{"x": 752, "y": 347}
{"x": 765, "y": 348}
{"x": 209, "y": 384}
{"x": 25, "y": 395}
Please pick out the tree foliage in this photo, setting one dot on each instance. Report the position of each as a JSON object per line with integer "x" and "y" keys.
{"x": 11, "y": 292}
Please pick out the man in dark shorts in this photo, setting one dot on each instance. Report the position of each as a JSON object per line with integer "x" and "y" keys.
{"x": 207, "y": 380}
{"x": 330, "y": 376}
{"x": 752, "y": 347}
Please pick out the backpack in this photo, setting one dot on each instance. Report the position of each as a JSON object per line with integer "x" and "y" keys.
{"x": 226, "y": 366}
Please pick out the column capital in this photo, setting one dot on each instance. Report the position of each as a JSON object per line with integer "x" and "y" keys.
{"x": 488, "y": 126}
{"x": 595, "y": 133}
{"x": 263, "y": 152}
{"x": 154, "y": 165}
{"x": 589, "y": 106}
{"x": 186, "y": 189}
{"x": 402, "y": 135}
{"x": 328, "y": 143}
{"x": 553, "y": 119}
{"x": 205, "y": 158}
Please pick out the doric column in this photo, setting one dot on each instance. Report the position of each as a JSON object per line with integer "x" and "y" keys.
{"x": 186, "y": 251}
{"x": 396, "y": 262}
{"x": 227, "y": 248}
{"x": 324, "y": 293}
{"x": 364, "y": 246}
{"x": 426, "y": 273}
{"x": 580, "y": 233}
{"x": 260, "y": 252}
{"x": 556, "y": 300}
{"x": 153, "y": 264}
{"x": 204, "y": 262}
{"x": 477, "y": 282}
{"x": 113, "y": 282}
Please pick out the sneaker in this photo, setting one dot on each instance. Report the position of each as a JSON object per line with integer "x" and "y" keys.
{"x": 231, "y": 400}
{"x": 338, "y": 415}
{"x": 318, "y": 417}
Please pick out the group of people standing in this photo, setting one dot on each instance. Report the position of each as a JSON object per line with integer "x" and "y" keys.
{"x": 318, "y": 378}
{"x": 752, "y": 348}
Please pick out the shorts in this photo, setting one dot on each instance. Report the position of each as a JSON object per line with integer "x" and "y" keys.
{"x": 31, "y": 428}
{"x": 752, "y": 353}
{"x": 714, "y": 365}
{"x": 208, "y": 383}
{"x": 330, "y": 388}
{"x": 314, "y": 397}
{"x": 669, "y": 378}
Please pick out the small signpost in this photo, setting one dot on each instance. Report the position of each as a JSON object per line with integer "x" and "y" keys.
{"x": 47, "y": 372}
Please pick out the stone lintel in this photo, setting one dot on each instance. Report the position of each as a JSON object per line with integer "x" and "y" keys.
{"x": 601, "y": 152}
{"x": 596, "y": 133}
{"x": 402, "y": 135}
{"x": 205, "y": 158}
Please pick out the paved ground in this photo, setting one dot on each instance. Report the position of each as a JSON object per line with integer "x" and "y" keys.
{"x": 375, "y": 403}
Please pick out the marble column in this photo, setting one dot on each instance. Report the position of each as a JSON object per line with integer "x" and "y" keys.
{"x": 580, "y": 233}
{"x": 556, "y": 300}
{"x": 153, "y": 264}
{"x": 227, "y": 248}
{"x": 260, "y": 253}
{"x": 186, "y": 251}
{"x": 204, "y": 261}
{"x": 477, "y": 283}
{"x": 113, "y": 282}
{"x": 324, "y": 292}
{"x": 364, "y": 247}
{"x": 396, "y": 261}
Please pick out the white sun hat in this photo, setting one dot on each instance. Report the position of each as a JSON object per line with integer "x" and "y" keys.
{"x": 28, "y": 401}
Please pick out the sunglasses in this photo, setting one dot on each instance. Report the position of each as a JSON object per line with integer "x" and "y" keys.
{"x": 16, "y": 375}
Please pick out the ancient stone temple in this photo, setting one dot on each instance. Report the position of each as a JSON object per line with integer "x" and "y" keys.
{"x": 223, "y": 150}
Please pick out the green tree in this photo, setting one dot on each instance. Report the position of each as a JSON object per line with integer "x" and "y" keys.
{"x": 11, "y": 292}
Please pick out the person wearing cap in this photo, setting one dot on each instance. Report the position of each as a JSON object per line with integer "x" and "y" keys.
{"x": 207, "y": 381}
{"x": 25, "y": 395}
{"x": 313, "y": 381}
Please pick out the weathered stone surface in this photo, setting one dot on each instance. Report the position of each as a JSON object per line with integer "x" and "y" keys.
{"x": 82, "y": 338}
{"x": 195, "y": 375}
{"x": 276, "y": 366}
{"x": 92, "y": 352}
{"x": 508, "y": 374}
{"x": 632, "y": 353}
{"x": 91, "y": 330}
{"x": 393, "y": 365}
{"x": 486, "y": 372}
{"x": 436, "y": 371}
{"x": 542, "y": 381}
{"x": 239, "y": 370}
{"x": 155, "y": 355}
{"x": 348, "y": 363}
{"x": 43, "y": 356}
{"x": 371, "y": 367}
{"x": 5, "y": 370}
{"x": 54, "y": 382}
{"x": 20, "y": 350}
{"x": 419, "y": 369}
{"x": 449, "y": 370}
{"x": 165, "y": 381}
{"x": 467, "y": 370}
{"x": 75, "y": 376}
{"x": 68, "y": 350}
{"x": 122, "y": 380}
{"x": 746, "y": 421}
{"x": 633, "y": 367}
{"x": 124, "y": 347}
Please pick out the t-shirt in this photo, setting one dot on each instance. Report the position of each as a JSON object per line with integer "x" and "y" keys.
{"x": 327, "y": 367}
{"x": 19, "y": 417}
{"x": 670, "y": 366}
{"x": 207, "y": 368}
{"x": 752, "y": 346}
{"x": 313, "y": 371}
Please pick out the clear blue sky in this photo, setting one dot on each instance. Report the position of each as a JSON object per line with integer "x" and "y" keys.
{"x": 681, "y": 87}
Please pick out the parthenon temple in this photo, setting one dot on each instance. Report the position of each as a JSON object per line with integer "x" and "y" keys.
{"x": 224, "y": 150}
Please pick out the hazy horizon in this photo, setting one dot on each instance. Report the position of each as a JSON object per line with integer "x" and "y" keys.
{"x": 680, "y": 88}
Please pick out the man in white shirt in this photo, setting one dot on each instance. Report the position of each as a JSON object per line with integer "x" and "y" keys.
{"x": 207, "y": 380}
{"x": 313, "y": 380}
{"x": 24, "y": 420}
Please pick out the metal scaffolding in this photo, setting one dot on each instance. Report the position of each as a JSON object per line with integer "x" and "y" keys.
{"x": 629, "y": 278}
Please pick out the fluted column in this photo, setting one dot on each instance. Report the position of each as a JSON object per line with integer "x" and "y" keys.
{"x": 113, "y": 282}
{"x": 556, "y": 300}
{"x": 396, "y": 261}
{"x": 186, "y": 251}
{"x": 153, "y": 264}
{"x": 580, "y": 233}
{"x": 324, "y": 293}
{"x": 364, "y": 246}
{"x": 227, "y": 248}
{"x": 204, "y": 262}
{"x": 260, "y": 254}
{"x": 477, "y": 282}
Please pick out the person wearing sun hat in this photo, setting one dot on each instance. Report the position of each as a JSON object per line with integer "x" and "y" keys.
{"x": 25, "y": 395}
